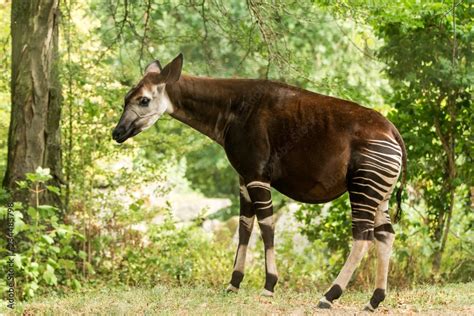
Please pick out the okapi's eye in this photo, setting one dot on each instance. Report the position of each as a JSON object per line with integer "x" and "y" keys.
{"x": 144, "y": 101}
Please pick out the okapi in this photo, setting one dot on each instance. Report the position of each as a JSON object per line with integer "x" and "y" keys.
{"x": 308, "y": 146}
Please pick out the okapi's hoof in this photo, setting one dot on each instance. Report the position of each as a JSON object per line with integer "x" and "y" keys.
{"x": 324, "y": 304}
{"x": 369, "y": 308}
{"x": 232, "y": 289}
{"x": 266, "y": 293}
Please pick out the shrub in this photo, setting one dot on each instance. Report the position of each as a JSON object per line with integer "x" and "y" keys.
{"x": 44, "y": 254}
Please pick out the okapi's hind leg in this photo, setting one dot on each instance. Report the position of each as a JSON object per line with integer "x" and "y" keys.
{"x": 358, "y": 251}
{"x": 384, "y": 237}
{"x": 370, "y": 186}
{"x": 246, "y": 221}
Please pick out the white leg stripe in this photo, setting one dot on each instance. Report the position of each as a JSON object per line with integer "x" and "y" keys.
{"x": 390, "y": 168}
{"x": 367, "y": 196}
{"x": 246, "y": 221}
{"x": 395, "y": 164}
{"x": 384, "y": 141}
{"x": 382, "y": 160}
{"x": 266, "y": 202}
{"x": 258, "y": 183}
{"x": 379, "y": 168}
{"x": 324, "y": 300}
{"x": 363, "y": 210}
{"x": 382, "y": 193}
{"x": 384, "y": 178}
{"x": 362, "y": 220}
{"x": 264, "y": 207}
{"x": 364, "y": 205}
{"x": 232, "y": 288}
{"x": 266, "y": 293}
{"x": 392, "y": 139}
{"x": 380, "y": 185}
{"x": 260, "y": 187}
{"x": 384, "y": 144}
{"x": 396, "y": 157}
{"x": 369, "y": 307}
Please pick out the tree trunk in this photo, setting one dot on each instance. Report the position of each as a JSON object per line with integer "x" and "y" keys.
{"x": 448, "y": 142}
{"x": 34, "y": 136}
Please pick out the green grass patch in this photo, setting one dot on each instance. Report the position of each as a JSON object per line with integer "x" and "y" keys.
{"x": 455, "y": 299}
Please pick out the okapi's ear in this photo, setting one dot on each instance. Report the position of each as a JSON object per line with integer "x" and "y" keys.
{"x": 172, "y": 71}
{"x": 154, "y": 66}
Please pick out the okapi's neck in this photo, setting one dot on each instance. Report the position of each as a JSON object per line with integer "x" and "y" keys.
{"x": 204, "y": 104}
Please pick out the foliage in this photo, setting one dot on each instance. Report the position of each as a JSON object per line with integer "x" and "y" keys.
{"x": 45, "y": 248}
{"x": 329, "y": 223}
{"x": 433, "y": 79}
{"x": 172, "y": 255}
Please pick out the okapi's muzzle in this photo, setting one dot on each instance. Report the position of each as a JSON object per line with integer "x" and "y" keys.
{"x": 120, "y": 134}
{"x": 125, "y": 129}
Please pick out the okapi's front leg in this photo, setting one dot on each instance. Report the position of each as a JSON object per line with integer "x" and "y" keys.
{"x": 247, "y": 218}
{"x": 261, "y": 197}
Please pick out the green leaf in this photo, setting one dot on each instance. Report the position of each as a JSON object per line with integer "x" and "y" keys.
{"x": 49, "y": 277}
{"x": 48, "y": 208}
{"x": 53, "y": 189}
{"x": 76, "y": 284}
{"x": 67, "y": 264}
{"x": 82, "y": 254}
{"x": 48, "y": 239}
{"x": 53, "y": 263}
{"x": 17, "y": 261}
{"x": 61, "y": 231}
{"x": 22, "y": 184}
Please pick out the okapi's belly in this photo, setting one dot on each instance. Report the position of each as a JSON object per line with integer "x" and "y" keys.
{"x": 315, "y": 172}
{"x": 307, "y": 188}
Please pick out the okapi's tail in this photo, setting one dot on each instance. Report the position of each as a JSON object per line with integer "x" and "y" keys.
{"x": 401, "y": 143}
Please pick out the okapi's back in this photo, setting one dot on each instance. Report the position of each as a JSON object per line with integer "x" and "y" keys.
{"x": 313, "y": 138}
{"x": 304, "y": 112}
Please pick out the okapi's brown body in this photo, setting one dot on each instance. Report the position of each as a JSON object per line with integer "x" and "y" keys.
{"x": 302, "y": 142}
{"x": 308, "y": 146}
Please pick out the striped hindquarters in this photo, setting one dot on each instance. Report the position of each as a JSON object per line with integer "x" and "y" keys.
{"x": 371, "y": 184}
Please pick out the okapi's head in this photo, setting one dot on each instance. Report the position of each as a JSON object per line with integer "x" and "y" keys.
{"x": 148, "y": 100}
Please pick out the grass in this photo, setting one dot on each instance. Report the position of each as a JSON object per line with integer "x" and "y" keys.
{"x": 451, "y": 299}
